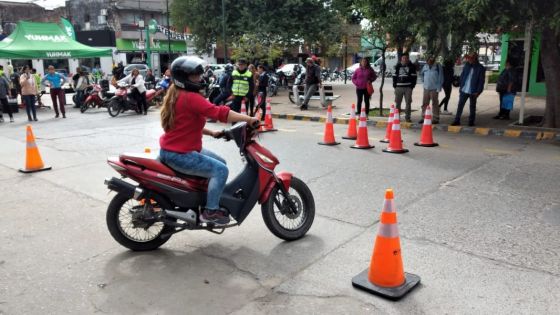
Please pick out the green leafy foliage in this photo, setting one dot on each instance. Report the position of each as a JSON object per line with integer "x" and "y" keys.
{"x": 286, "y": 23}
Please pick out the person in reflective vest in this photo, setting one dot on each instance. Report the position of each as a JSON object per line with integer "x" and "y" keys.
{"x": 242, "y": 84}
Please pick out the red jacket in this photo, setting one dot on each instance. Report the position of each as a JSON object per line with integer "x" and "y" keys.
{"x": 191, "y": 112}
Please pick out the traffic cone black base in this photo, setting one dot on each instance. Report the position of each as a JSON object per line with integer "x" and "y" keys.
{"x": 395, "y": 151}
{"x": 362, "y": 282}
{"x": 362, "y": 147}
{"x": 425, "y": 145}
{"x": 46, "y": 168}
{"x": 349, "y": 138}
{"x": 384, "y": 141}
{"x": 330, "y": 143}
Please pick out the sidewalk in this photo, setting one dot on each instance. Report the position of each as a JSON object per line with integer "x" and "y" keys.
{"x": 487, "y": 107}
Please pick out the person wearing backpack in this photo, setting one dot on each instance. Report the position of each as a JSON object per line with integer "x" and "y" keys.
{"x": 432, "y": 76}
{"x": 506, "y": 88}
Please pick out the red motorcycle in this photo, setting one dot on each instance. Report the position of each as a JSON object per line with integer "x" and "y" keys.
{"x": 123, "y": 100}
{"x": 144, "y": 216}
{"x": 97, "y": 97}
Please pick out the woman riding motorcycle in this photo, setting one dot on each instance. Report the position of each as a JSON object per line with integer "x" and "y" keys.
{"x": 183, "y": 117}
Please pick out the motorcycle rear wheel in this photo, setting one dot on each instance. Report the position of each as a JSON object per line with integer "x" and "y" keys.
{"x": 114, "y": 108}
{"x": 282, "y": 222}
{"x": 135, "y": 238}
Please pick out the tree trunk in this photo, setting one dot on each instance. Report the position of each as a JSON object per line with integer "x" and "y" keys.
{"x": 550, "y": 58}
{"x": 383, "y": 70}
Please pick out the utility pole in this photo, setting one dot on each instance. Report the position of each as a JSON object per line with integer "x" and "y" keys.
{"x": 224, "y": 29}
{"x": 168, "y": 32}
{"x": 345, "y": 57}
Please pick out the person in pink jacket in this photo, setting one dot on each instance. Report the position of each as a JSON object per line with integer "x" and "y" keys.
{"x": 363, "y": 76}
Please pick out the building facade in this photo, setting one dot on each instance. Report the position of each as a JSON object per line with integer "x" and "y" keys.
{"x": 128, "y": 20}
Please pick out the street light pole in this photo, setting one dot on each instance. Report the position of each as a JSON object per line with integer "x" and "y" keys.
{"x": 168, "y": 32}
{"x": 224, "y": 29}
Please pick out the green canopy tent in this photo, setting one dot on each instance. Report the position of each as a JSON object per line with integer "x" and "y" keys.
{"x": 32, "y": 40}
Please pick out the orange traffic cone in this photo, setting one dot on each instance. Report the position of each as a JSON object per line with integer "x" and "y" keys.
{"x": 363, "y": 141}
{"x": 268, "y": 125}
{"x": 385, "y": 275}
{"x": 33, "y": 161}
{"x": 389, "y": 125}
{"x": 352, "y": 133}
{"x": 395, "y": 145}
{"x": 426, "y": 137}
{"x": 243, "y": 107}
{"x": 328, "y": 138}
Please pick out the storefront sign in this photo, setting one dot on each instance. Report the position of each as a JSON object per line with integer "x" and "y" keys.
{"x": 155, "y": 46}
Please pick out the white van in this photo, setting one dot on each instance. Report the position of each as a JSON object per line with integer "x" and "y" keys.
{"x": 391, "y": 61}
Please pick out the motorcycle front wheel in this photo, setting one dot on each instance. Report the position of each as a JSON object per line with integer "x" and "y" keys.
{"x": 114, "y": 108}
{"x": 128, "y": 223}
{"x": 284, "y": 222}
{"x": 85, "y": 106}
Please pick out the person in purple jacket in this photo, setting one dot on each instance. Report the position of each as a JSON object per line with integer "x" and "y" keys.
{"x": 361, "y": 77}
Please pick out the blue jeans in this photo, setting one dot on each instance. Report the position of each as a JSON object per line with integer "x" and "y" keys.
{"x": 204, "y": 164}
{"x": 29, "y": 101}
{"x": 463, "y": 97}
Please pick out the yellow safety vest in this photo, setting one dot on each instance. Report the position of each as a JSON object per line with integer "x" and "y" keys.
{"x": 240, "y": 85}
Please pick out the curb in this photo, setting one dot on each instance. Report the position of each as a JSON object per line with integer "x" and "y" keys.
{"x": 480, "y": 131}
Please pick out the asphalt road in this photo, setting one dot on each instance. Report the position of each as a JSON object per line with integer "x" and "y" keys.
{"x": 479, "y": 222}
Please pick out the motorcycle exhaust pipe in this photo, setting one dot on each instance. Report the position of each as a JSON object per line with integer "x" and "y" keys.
{"x": 189, "y": 216}
{"x": 121, "y": 186}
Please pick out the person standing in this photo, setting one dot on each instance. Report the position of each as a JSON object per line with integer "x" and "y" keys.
{"x": 253, "y": 91}
{"x": 10, "y": 69}
{"x": 81, "y": 87}
{"x": 432, "y": 76}
{"x": 136, "y": 81}
{"x": 4, "y": 93}
{"x": 404, "y": 81}
{"x": 16, "y": 85}
{"x": 242, "y": 84}
{"x": 448, "y": 74}
{"x": 312, "y": 81}
{"x": 40, "y": 90}
{"x": 504, "y": 86}
{"x": 55, "y": 82}
{"x": 472, "y": 84}
{"x": 150, "y": 78}
{"x": 262, "y": 86}
{"x": 118, "y": 71}
{"x": 362, "y": 77}
{"x": 28, "y": 92}
{"x": 226, "y": 83}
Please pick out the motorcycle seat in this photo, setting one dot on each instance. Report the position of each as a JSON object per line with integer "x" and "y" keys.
{"x": 152, "y": 162}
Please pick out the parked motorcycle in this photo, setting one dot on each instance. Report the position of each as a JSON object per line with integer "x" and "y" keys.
{"x": 273, "y": 82}
{"x": 99, "y": 96}
{"x": 123, "y": 100}
{"x": 144, "y": 216}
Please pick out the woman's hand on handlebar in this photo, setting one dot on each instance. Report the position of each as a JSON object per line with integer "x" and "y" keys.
{"x": 218, "y": 134}
{"x": 253, "y": 122}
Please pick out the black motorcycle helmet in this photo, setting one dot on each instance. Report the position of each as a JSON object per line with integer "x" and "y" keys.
{"x": 182, "y": 68}
{"x": 228, "y": 68}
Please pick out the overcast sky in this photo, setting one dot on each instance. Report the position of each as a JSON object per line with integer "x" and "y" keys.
{"x": 49, "y": 4}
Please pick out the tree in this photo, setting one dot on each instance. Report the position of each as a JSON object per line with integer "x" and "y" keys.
{"x": 544, "y": 17}
{"x": 285, "y": 23}
{"x": 255, "y": 47}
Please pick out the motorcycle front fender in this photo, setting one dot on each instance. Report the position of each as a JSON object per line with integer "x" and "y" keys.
{"x": 284, "y": 177}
